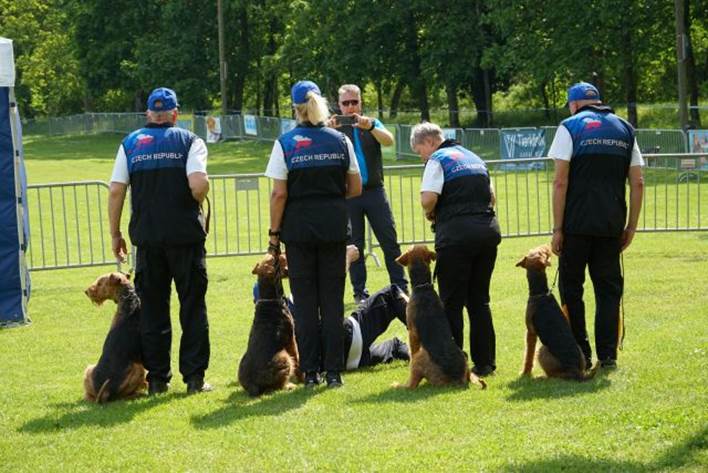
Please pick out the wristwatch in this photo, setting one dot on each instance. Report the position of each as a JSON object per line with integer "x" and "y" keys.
{"x": 274, "y": 233}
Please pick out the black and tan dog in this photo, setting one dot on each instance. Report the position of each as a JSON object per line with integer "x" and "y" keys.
{"x": 434, "y": 354}
{"x": 559, "y": 354}
{"x": 119, "y": 373}
{"x": 271, "y": 360}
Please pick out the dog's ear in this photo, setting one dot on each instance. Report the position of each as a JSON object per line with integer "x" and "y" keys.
{"x": 403, "y": 259}
{"x": 430, "y": 255}
{"x": 283, "y": 266}
{"x": 115, "y": 279}
{"x": 521, "y": 262}
{"x": 255, "y": 269}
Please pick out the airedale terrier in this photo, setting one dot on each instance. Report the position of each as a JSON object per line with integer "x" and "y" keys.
{"x": 119, "y": 373}
{"x": 434, "y": 354}
{"x": 271, "y": 359}
{"x": 559, "y": 354}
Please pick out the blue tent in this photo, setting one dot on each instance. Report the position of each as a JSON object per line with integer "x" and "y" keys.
{"x": 14, "y": 225}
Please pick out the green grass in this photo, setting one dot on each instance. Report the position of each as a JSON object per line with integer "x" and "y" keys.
{"x": 649, "y": 415}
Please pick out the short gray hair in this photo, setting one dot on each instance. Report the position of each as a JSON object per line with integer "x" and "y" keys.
{"x": 349, "y": 88}
{"x": 421, "y": 131}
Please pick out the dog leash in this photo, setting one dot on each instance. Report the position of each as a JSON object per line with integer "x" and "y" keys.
{"x": 622, "y": 329}
{"x": 555, "y": 280}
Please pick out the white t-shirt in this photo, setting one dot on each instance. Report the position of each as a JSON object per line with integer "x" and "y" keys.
{"x": 562, "y": 148}
{"x": 277, "y": 169}
{"x": 196, "y": 161}
{"x": 434, "y": 178}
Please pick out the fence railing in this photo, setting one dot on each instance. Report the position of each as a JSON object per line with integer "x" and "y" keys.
{"x": 486, "y": 142}
{"x": 69, "y": 225}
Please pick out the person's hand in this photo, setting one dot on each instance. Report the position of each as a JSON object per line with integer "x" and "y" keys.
{"x": 274, "y": 246}
{"x": 627, "y": 237}
{"x": 332, "y": 122}
{"x": 363, "y": 122}
{"x": 120, "y": 249}
{"x": 430, "y": 216}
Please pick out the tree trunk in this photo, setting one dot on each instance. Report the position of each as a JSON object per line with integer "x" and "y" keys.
{"x": 379, "y": 100}
{"x": 240, "y": 66}
{"x": 453, "y": 105}
{"x": 630, "y": 77}
{"x": 694, "y": 114}
{"x": 480, "y": 88}
{"x": 544, "y": 96}
{"x": 396, "y": 99}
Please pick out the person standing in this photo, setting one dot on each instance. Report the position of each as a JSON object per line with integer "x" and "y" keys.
{"x": 595, "y": 152}
{"x": 314, "y": 171}
{"x": 456, "y": 194}
{"x": 165, "y": 167}
{"x": 368, "y": 135}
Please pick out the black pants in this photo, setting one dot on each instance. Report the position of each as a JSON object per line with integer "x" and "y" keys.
{"x": 464, "y": 273}
{"x": 601, "y": 256}
{"x": 155, "y": 268}
{"x": 374, "y": 204}
{"x": 374, "y": 317}
{"x": 316, "y": 273}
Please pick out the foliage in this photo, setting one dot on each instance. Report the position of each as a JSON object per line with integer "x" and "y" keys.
{"x": 107, "y": 54}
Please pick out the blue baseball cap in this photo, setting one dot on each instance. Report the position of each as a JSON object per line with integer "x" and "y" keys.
{"x": 300, "y": 90}
{"x": 162, "y": 99}
{"x": 583, "y": 91}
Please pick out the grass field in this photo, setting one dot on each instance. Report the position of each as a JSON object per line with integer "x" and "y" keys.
{"x": 648, "y": 415}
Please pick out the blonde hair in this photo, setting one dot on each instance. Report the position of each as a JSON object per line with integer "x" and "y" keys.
{"x": 315, "y": 110}
{"x": 425, "y": 130}
{"x": 350, "y": 88}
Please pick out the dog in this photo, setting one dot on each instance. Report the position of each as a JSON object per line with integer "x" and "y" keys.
{"x": 271, "y": 360}
{"x": 559, "y": 354}
{"x": 434, "y": 354}
{"x": 120, "y": 373}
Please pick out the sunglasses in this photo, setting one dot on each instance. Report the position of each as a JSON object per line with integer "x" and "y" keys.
{"x": 349, "y": 103}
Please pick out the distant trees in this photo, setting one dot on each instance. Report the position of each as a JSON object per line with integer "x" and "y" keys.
{"x": 410, "y": 54}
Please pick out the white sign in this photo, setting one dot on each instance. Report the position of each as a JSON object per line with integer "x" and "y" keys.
{"x": 450, "y": 133}
{"x": 7, "y": 63}
{"x": 286, "y": 124}
{"x": 250, "y": 125}
{"x": 213, "y": 129}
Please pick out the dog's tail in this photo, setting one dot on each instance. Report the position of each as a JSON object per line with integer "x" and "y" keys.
{"x": 477, "y": 380}
{"x": 102, "y": 395}
{"x": 589, "y": 374}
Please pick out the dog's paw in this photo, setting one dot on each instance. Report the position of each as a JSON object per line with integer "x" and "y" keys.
{"x": 289, "y": 387}
{"x": 398, "y": 385}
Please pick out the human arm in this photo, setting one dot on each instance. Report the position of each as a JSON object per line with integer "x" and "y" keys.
{"x": 278, "y": 199}
{"x": 196, "y": 170}
{"x": 431, "y": 187}
{"x": 560, "y": 188}
{"x": 636, "y": 194}
{"x": 116, "y": 198}
{"x": 428, "y": 200}
{"x": 377, "y": 129}
{"x": 353, "y": 181}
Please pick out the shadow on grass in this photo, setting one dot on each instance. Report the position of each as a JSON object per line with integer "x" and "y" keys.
{"x": 78, "y": 414}
{"x": 683, "y": 454}
{"x": 402, "y": 395}
{"x": 526, "y": 388}
{"x": 240, "y": 405}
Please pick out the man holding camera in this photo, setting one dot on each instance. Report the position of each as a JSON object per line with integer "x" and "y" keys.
{"x": 368, "y": 135}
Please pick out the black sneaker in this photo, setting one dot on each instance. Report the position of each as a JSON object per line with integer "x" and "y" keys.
{"x": 360, "y": 297}
{"x": 400, "y": 350}
{"x": 195, "y": 386}
{"x": 334, "y": 380}
{"x": 157, "y": 386}
{"x": 483, "y": 371}
{"x": 312, "y": 379}
{"x": 608, "y": 364}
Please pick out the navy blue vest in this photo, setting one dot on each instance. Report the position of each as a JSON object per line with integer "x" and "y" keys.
{"x": 163, "y": 209}
{"x": 465, "y": 196}
{"x": 317, "y": 159}
{"x": 595, "y": 203}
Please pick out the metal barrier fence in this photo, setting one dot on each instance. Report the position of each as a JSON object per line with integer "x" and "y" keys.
{"x": 68, "y": 221}
{"x": 483, "y": 141}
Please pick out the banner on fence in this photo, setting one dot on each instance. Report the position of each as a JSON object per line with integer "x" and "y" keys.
{"x": 286, "y": 124}
{"x": 186, "y": 124}
{"x": 522, "y": 143}
{"x": 250, "y": 125}
{"x": 450, "y": 133}
{"x": 698, "y": 143}
{"x": 213, "y": 129}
